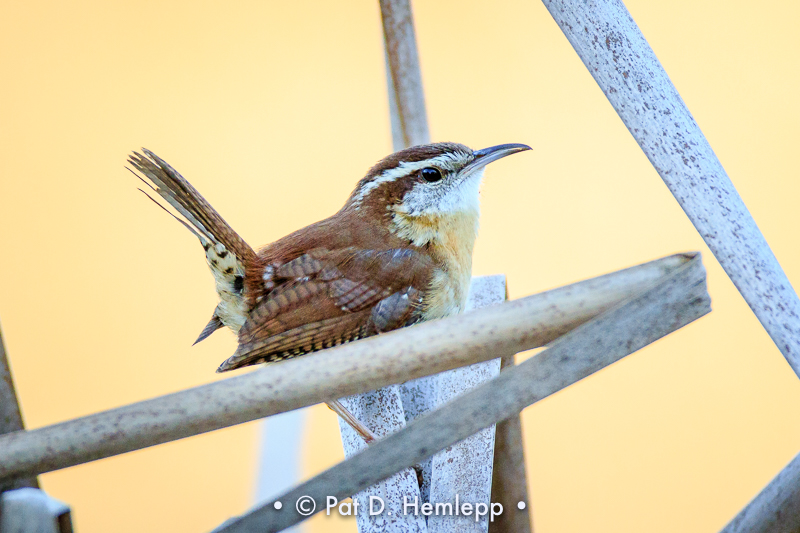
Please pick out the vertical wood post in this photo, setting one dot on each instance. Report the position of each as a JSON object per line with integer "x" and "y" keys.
{"x": 509, "y": 483}
{"x": 463, "y": 472}
{"x": 30, "y": 510}
{"x": 382, "y": 412}
{"x": 406, "y": 96}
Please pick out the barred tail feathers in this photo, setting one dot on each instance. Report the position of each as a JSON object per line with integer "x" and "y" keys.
{"x": 227, "y": 253}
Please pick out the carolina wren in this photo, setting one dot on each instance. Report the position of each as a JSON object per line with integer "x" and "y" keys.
{"x": 398, "y": 252}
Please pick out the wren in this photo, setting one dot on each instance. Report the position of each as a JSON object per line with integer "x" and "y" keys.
{"x": 398, "y": 252}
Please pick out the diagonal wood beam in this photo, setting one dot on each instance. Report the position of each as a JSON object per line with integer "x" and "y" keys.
{"x": 679, "y": 298}
{"x": 622, "y": 63}
{"x": 10, "y": 416}
{"x": 393, "y": 357}
{"x": 776, "y": 509}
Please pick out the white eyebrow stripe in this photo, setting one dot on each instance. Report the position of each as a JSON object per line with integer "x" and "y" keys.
{"x": 403, "y": 169}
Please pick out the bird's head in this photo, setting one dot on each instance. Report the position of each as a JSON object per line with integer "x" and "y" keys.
{"x": 425, "y": 192}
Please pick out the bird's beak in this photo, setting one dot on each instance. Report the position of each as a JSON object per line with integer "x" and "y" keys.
{"x": 493, "y": 153}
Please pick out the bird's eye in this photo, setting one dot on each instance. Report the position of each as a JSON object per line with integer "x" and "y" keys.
{"x": 431, "y": 174}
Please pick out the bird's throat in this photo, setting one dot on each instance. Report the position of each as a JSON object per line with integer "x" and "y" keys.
{"x": 450, "y": 240}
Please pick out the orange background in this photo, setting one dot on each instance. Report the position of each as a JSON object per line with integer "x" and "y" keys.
{"x": 274, "y": 110}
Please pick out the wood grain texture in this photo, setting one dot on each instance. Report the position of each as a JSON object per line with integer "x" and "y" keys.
{"x": 30, "y": 510}
{"x": 509, "y": 481}
{"x": 382, "y": 411}
{"x": 366, "y": 365}
{"x": 776, "y": 509}
{"x": 464, "y": 470}
{"x": 618, "y": 56}
{"x": 10, "y": 416}
{"x": 623, "y": 64}
{"x": 406, "y": 95}
{"x": 679, "y": 298}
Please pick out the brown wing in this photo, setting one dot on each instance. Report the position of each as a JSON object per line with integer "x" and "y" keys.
{"x": 329, "y": 297}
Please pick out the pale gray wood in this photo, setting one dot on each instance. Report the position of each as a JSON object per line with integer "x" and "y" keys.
{"x": 398, "y": 137}
{"x": 382, "y": 412}
{"x": 619, "y": 58}
{"x": 10, "y": 416}
{"x": 30, "y": 510}
{"x": 465, "y": 468}
{"x": 509, "y": 482}
{"x": 369, "y": 364}
{"x": 679, "y": 298}
{"x": 776, "y": 509}
{"x": 625, "y": 67}
{"x": 419, "y": 397}
{"x": 405, "y": 87}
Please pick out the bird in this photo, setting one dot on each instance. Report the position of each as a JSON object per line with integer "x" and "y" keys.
{"x": 397, "y": 253}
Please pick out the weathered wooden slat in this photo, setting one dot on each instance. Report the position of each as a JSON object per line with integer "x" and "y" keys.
{"x": 10, "y": 417}
{"x": 382, "y": 412}
{"x": 464, "y": 470}
{"x": 394, "y": 357}
{"x": 406, "y": 96}
{"x": 622, "y": 63}
{"x": 30, "y": 510}
{"x": 618, "y": 56}
{"x": 679, "y": 298}
{"x": 509, "y": 482}
{"x": 776, "y": 509}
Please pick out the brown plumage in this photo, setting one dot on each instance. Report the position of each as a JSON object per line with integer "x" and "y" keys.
{"x": 386, "y": 260}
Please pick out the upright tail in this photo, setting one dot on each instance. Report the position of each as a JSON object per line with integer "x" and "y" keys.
{"x": 226, "y": 252}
